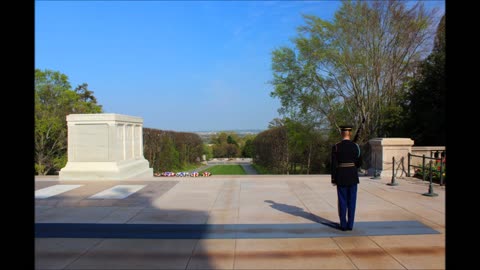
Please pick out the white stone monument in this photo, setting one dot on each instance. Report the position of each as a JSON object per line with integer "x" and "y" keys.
{"x": 105, "y": 146}
{"x": 384, "y": 149}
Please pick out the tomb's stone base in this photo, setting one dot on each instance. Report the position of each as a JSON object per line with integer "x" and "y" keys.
{"x": 106, "y": 170}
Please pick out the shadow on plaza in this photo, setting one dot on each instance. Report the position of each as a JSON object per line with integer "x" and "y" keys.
{"x": 297, "y": 211}
{"x": 73, "y": 230}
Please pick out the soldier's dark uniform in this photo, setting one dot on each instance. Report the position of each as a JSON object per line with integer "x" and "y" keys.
{"x": 345, "y": 161}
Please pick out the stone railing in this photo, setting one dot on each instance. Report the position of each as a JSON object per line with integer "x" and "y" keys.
{"x": 428, "y": 151}
{"x": 384, "y": 149}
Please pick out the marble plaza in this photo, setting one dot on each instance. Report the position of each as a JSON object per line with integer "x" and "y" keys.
{"x": 235, "y": 222}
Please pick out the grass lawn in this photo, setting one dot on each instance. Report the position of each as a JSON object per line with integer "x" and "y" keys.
{"x": 188, "y": 167}
{"x": 225, "y": 170}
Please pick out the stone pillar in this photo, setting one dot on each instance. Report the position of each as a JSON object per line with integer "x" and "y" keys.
{"x": 105, "y": 146}
{"x": 383, "y": 149}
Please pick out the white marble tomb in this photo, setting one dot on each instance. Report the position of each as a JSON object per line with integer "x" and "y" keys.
{"x": 105, "y": 146}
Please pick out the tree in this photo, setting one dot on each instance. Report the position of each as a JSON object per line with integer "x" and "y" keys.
{"x": 189, "y": 147}
{"x": 219, "y": 150}
{"x": 301, "y": 138}
{"x": 271, "y": 149}
{"x": 230, "y": 140}
{"x": 276, "y": 122}
{"x": 220, "y": 138}
{"x": 152, "y": 147}
{"x": 247, "y": 150}
{"x": 170, "y": 150}
{"x": 54, "y": 100}
{"x": 207, "y": 151}
{"x": 293, "y": 146}
{"x": 426, "y": 101}
{"x": 87, "y": 102}
{"x": 353, "y": 68}
{"x": 226, "y": 144}
{"x": 170, "y": 158}
{"x": 232, "y": 150}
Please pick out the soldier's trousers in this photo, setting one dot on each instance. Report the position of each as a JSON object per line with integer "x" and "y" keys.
{"x": 347, "y": 200}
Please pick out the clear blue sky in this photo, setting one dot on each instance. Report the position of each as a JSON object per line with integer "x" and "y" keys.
{"x": 180, "y": 65}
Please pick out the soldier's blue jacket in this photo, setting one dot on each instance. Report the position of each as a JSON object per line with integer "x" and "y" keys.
{"x": 345, "y": 161}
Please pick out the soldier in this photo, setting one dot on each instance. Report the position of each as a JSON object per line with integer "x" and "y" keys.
{"x": 345, "y": 161}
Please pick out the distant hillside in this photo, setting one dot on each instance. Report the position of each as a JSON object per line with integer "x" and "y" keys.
{"x": 205, "y": 135}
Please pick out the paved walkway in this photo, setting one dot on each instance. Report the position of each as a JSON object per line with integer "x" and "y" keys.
{"x": 249, "y": 169}
{"x": 235, "y": 222}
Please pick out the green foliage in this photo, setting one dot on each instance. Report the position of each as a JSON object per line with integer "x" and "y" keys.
{"x": 230, "y": 145}
{"x": 352, "y": 69}
{"x": 225, "y": 170}
{"x": 188, "y": 167}
{"x": 426, "y": 102}
{"x": 293, "y": 147}
{"x": 171, "y": 151}
{"x": 219, "y": 150}
{"x": 60, "y": 161}
{"x": 86, "y": 100}
{"x": 437, "y": 170}
{"x": 189, "y": 146}
{"x": 169, "y": 156}
{"x": 247, "y": 150}
{"x": 232, "y": 150}
{"x": 260, "y": 169}
{"x": 54, "y": 100}
{"x": 226, "y": 145}
{"x": 207, "y": 151}
{"x": 301, "y": 139}
{"x": 39, "y": 167}
{"x": 271, "y": 150}
{"x": 394, "y": 117}
{"x": 230, "y": 140}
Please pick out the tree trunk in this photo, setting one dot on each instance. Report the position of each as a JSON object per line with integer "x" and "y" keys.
{"x": 309, "y": 159}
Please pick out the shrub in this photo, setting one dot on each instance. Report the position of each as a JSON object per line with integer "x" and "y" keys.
{"x": 437, "y": 169}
